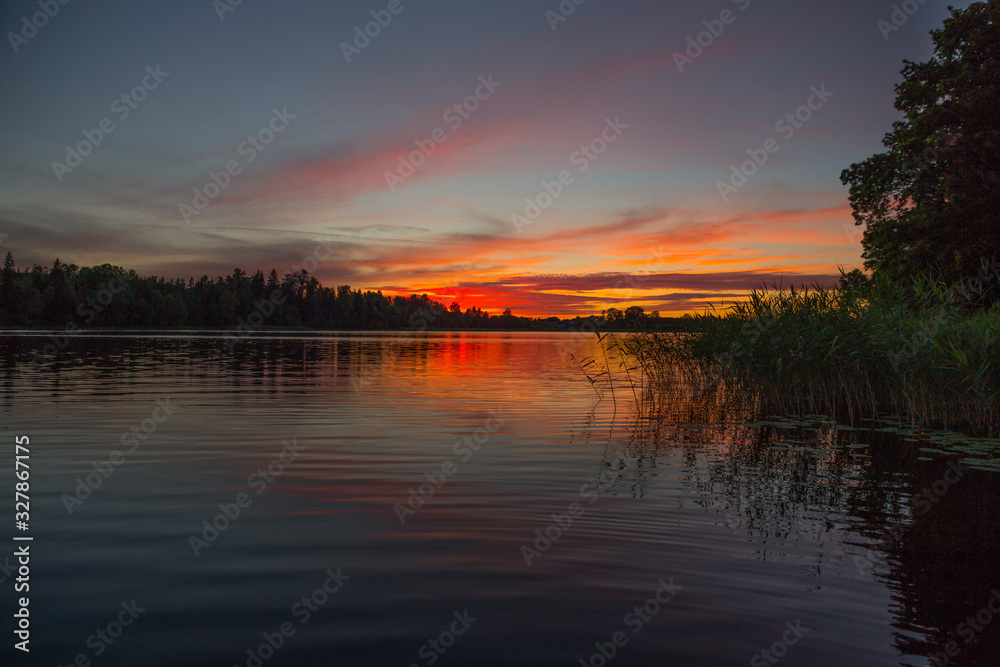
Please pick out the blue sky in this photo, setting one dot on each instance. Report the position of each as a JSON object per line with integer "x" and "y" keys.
{"x": 647, "y": 206}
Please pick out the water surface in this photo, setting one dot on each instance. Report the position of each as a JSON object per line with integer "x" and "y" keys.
{"x": 821, "y": 545}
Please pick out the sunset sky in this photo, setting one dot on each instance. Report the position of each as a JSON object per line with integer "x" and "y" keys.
{"x": 649, "y": 206}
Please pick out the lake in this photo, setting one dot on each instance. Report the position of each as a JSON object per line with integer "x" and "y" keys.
{"x": 470, "y": 499}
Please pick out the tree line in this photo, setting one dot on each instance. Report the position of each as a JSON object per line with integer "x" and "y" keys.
{"x": 106, "y": 296}
{"x": 109, "y": 296}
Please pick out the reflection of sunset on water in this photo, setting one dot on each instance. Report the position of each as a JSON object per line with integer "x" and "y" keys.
{"x": 752, "y": 516}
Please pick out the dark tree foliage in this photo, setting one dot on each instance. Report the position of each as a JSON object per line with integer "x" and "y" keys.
{"x": 932, "y": 201}
{"x": 855, "y": 282}
{"x": 112, "y": 297}
{"x": 634, "y": 318}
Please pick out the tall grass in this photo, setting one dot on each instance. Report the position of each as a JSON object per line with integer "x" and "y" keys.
{"x": 919, "y": 354}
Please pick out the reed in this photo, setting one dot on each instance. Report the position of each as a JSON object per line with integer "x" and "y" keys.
{"x": 926, "y": 354}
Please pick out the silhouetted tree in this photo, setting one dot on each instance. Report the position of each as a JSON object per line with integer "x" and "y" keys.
{"x": 8, "y": 290}
{"x": 933, "y": 199}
